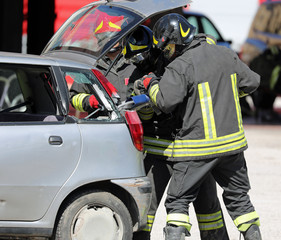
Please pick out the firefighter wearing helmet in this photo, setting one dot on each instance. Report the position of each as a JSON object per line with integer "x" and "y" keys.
{"x": 201, "y": 86}
{"x": 159, "y": 128}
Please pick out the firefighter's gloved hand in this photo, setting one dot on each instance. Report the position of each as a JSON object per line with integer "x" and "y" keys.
{"x": 149, "y": 80}
{"x": 139, "y": 88}
{"x": 94, "y": 103}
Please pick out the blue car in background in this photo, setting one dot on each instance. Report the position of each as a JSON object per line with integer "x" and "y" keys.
{"x": 204, "y": 24}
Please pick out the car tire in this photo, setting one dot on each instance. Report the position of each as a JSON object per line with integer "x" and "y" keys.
{"x": 94, "y": 215}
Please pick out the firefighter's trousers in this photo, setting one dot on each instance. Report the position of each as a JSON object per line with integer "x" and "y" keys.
{"x": 230, "y": 172}
{"x": 207, "y": 205}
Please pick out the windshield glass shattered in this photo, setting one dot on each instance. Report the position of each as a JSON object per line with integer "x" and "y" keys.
{"x": 93, "y": 30}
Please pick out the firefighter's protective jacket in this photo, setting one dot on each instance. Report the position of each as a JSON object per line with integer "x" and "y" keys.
{"x": 202, "y": 87}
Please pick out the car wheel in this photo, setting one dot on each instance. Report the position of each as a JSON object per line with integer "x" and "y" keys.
{"x": 94, "y": 215}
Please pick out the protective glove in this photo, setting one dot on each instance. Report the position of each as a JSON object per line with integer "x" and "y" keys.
{"x": 149, "y": 80}
{"x": 94, "y": 103}
{"x": 139, "y": 88}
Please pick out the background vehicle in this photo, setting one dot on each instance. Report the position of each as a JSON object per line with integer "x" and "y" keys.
{"x": 205, "y": 25}
{"x": 202, "y": 23}
{"x": 60, "y": 175}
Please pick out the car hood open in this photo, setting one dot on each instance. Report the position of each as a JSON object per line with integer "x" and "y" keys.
{"x": 98, "y": 27}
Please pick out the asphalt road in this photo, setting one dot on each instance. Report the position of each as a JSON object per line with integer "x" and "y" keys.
{"x": 264, "y": 167}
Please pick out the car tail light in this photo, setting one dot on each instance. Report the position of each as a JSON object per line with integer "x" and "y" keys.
{"x": 110, "y": 89}
{"x": 136, "y": 128}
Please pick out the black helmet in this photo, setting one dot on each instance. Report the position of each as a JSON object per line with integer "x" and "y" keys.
{"x": 172, "y": 28}
{"x": 138, "y": 44}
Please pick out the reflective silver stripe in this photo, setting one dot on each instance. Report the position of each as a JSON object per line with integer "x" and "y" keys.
{"x": 159, "y": 146}
{"x": 211, "y": 150}
{"x": 190, "y": 148}
{"x": 211, "y": 226}
{"x": 150, "y": 220}
{"x": 158, "y": 142}
{"x": 236, "y": 99}
{"x": 146, "y": 113}
{"x": 158, "y": 151}
{"x": 153, "y": 93}
{"x": 207, "y": 110}
{"x": 210, "y": 142}
{"x": 209, "y": 217}
{"x": 77, "y": 101}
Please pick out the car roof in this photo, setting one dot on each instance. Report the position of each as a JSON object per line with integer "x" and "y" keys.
{"x": 21, "y": 58}
{"x": 145, "y": 7}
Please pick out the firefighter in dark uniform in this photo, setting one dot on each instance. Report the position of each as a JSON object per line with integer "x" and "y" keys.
{"x": 122, "y": 76}
{"x": 159, "y": 128}
{"x": 202, "y": 86}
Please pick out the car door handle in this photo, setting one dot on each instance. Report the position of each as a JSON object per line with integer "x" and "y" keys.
{"x": 55, "y": 140}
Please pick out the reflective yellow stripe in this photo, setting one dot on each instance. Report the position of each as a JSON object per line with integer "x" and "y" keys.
{"x": 135, "y": 47}
{"x": 210, "y": 142}
{"x": 124, "y": 51}
{"x": 246, "y": 218}
{"x": 113, "y": 25}
{"x": 242, "y": 94}
{"x": 158, "y": 142}
{"x": 209, "y": 217}
{"x": 210, "y": 151}
{"x": 99, "y": 26}
{"x": 274, "y": 77}
{"x": 236, "y": 99}
{"x": 77, "y": 101}
{"x": 191, "y": 148}
{"x": 179, "y": 219}
{"x": 150, "y": 220}
{"x": 244, "y": 227}
{"x": 207, "y": 110}
{"x": 146, "y": 113}
{"x": 153, "y": 93}
{"x": 210, "y": 221}
{"x": 155, "y": 41}
{"x": 211, "y": 226}
{"x": 184, "y": 33}
{"x": 210, "y": 41}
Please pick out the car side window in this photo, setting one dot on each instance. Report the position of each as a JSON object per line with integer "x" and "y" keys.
{"x": 27, "y": 94}
{"x": 209, "y": 28}
{"x": 193, "y": 21}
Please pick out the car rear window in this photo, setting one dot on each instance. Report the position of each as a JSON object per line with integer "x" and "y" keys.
{"x": 93, "y": 30}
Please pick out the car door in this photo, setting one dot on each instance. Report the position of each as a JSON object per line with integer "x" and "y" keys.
{"x": 39, "y": 150}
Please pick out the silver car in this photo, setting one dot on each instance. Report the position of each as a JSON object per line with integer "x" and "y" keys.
{"x": 63, "y": 174}
{"x": 60, "y": 175}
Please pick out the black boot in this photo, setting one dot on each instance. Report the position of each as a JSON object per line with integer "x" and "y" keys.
{"x": 217, "y": 234}
{"x": 173, "y": 232}
{"x": 253, "y": 233}
{"x": 141, "y": 235}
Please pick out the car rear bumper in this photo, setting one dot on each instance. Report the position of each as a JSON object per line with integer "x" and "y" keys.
{"x": 141, "y": 190}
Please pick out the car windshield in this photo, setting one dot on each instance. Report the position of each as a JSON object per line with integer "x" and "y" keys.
{"x": 93, "y": 30}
